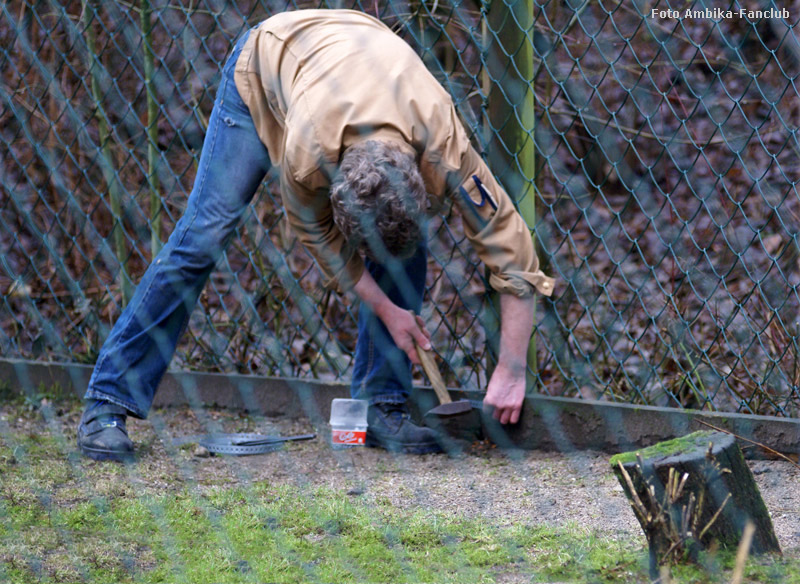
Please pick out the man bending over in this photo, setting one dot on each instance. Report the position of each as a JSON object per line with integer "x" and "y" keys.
{"x": 369, "y": 146}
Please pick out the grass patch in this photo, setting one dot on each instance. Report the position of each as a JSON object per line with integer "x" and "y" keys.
{"x": 33, "y": 398}
{"x": 71, "y": 520}
{"x": 267, "y": 533}
{"x": 7, "y": 392}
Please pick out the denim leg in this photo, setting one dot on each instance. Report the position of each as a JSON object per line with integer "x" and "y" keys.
{"x": 232, "y": 165}
{"x": 382, "y": 372}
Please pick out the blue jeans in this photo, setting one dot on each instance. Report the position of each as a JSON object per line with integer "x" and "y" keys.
{"x": 232, "y": 165}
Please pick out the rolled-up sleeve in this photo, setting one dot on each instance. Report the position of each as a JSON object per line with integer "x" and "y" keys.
{"x": 496, "y": 230}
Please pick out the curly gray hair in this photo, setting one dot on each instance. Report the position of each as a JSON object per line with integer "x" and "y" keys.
{"x": 379, "y": 199}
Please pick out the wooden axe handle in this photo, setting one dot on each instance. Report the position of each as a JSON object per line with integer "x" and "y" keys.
{"x": 432, "y": 371}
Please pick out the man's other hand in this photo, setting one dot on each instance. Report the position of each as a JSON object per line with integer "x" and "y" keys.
{"x": 505, "y": 394}
{"x": 506, "y": 389}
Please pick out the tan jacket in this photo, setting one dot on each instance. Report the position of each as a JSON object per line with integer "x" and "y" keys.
{"x": 316, "y": 82}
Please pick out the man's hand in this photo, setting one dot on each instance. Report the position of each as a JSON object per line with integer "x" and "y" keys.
{"x": 506, "y": 390}
{"x": 405, "y": 327}
{"x": 505, "y": 394}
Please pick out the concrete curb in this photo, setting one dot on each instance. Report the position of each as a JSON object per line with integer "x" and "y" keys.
{"x": 548, "y": 423}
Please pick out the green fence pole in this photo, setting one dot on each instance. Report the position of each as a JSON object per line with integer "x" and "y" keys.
{"x": 152, "y": 129}
{"x": 510, "y": 66}
{"x": 106, "y": 162}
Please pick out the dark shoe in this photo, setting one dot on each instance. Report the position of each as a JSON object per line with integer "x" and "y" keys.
{"x": 390, "y": 427}
{"x": 102, "y": 434}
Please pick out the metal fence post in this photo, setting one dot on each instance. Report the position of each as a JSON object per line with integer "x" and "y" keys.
{"x": 511, "y": 116}
{"x": 152, "y": 128}
{"x": 90, "y": 11}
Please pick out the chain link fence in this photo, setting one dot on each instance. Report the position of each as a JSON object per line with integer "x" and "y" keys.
{"x": 651, "y": 146}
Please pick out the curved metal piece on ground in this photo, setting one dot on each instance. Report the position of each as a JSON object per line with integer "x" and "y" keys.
{"x": 243, "y": 444}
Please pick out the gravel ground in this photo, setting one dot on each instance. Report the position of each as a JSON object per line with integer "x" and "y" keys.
{"x": 504, "y": 488}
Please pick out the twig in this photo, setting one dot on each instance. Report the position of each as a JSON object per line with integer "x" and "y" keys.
{"x": 743, "y": 552}
{"x": 714, "y": 518}
{"x": 759, "y": 444}
{"x": 636, "y": 502}
{"x": 664, "y": 575}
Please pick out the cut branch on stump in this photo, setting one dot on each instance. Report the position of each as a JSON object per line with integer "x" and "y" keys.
{"x": 694, "y": 493}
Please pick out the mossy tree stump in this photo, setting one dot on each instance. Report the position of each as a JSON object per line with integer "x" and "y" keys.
{"x": 694, "y": 493}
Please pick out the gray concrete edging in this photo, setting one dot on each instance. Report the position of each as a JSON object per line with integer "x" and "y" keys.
{"x": 548, "y": 423}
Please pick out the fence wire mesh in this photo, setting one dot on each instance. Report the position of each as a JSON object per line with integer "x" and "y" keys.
{"x": 649, "y": 145}
{"x": 653, "y": 157}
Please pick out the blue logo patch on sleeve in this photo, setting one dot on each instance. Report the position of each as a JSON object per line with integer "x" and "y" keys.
{"x": 485, "y": 196}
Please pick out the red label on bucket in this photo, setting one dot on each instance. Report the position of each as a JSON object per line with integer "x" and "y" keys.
{"x": 348, "y": 437}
